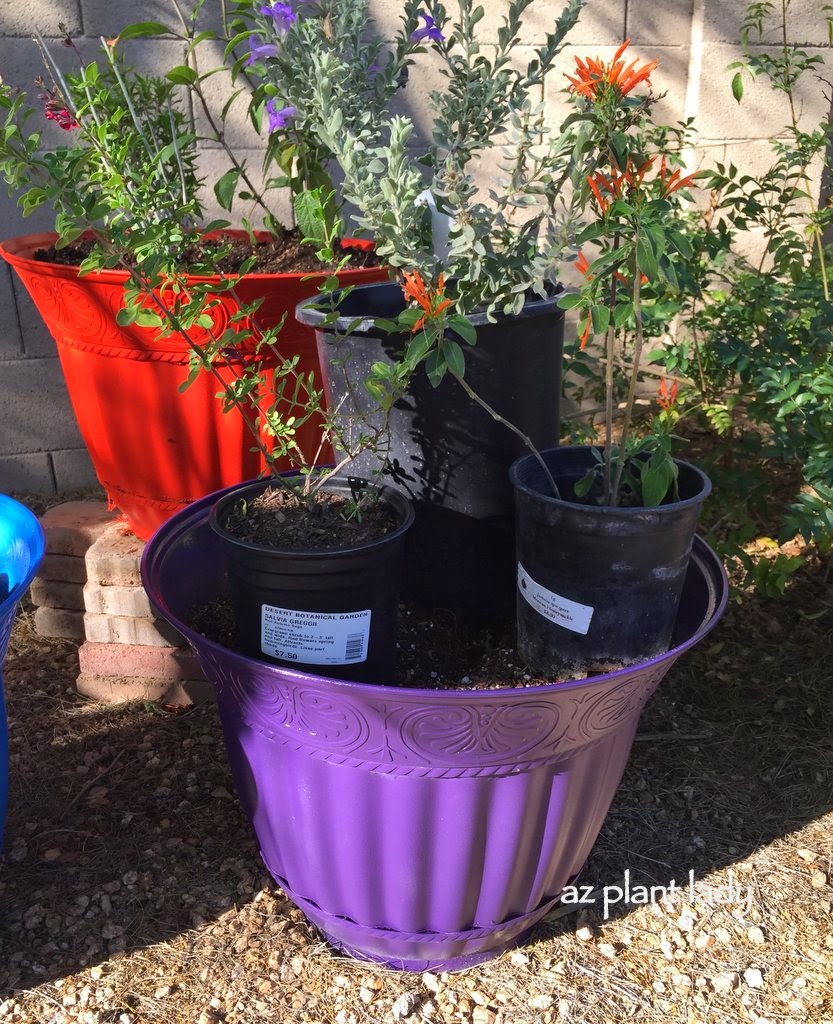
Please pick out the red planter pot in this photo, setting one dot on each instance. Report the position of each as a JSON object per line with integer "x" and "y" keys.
{"x": 155, "y": 450}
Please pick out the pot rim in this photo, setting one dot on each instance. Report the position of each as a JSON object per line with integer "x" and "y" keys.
{"x": 16, "y": 252}
{"x": 604, "y": 510}
{"x": 396, "y": 500}
{"x": 196, "y": 514}
{"x": 309, "y": 313}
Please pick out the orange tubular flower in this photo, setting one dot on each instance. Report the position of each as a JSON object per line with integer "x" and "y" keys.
{"x": 666, "y": 397}
{"x": 582, "y": 266}
{"x": 671, "y": 183}
{"x": 433, "y": 304}
{"x": 585, "y": 334}
{"x": 594, "y": 77}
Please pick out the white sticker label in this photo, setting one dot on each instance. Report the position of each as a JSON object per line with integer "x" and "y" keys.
{"x": 563, "y": 612}
{"x": 314, "y": 638}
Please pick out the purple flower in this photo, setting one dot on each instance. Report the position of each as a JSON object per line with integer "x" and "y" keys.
{"x": 259, "y": 49}
{"x": 279, "y": 118}
{"x": 281, "y": 14}
{"x": 430, "y": 31}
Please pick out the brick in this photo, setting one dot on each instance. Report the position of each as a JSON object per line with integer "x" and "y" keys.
{"x": 74, "y": 470}
{"x": 127, "y": 629}
{"x": 25, "y": 474}
{"x": 173, "y": 664}
{"x": 763, "y": 112}
{"x": 117, "y": 689}
{"x": 22, "y": 16}
{"x": 59, "y": 622}
{"x": 66, "y": 568}
{"x": 55, "y": 594}
{"x": 668, "y": 22}
{"x": 36, "y": 339}
{"x": 72, "y": 526}
{"x": 11, "y": 342}
{"x": 35, "y": 414}
{"x": 113, "y": 560}
{"x": 131, "y": 601}
{"x": 805, "y": 22}
{"x": 108, "y": 18}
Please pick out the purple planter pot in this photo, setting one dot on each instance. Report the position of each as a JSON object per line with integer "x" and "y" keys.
{"x": 426, "y": 830}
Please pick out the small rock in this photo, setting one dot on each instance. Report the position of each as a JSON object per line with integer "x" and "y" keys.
{"x": 431, "y": 982}
{"x": 483, "y": 1015}
{"x": 208, "y": 1016}
{"x": 162, "y": 992}
{"x": 756, "y": 935}
{"x": 685, "y": 923}
{"x": 52, "y": 854}
{"x": 366, "y": 995}
{"x": 518, "y": 959}
{"x": 130, "y": 878}
{"x": 806, "y": 854}
{"x": 818, "y": 880}
{"x": 404, "y": 1006}
{"x": 541, "y": 1002}
{"x": 753, "y": 977}
{"x": 726, "y": 982}
{"x": 585, "y": 933}
{"x": 723, "y": 935}
{"x": 607, "y": 949}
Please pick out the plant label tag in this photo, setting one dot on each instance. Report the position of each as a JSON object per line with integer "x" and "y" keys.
{"x": 314, "y": 638}
{"x": 563, "y": 612}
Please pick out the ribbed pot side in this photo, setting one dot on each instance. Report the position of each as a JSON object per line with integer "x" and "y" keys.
{"x": 426, "y": 830}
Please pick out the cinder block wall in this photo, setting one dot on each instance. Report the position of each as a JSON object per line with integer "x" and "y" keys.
{"x": 41, "y": 450}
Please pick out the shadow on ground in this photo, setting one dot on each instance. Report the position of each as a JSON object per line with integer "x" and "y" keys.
{"x": 123, "y": 831}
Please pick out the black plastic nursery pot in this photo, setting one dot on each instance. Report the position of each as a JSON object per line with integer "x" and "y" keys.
{"x": 447, "y": 454}
{"x": 333, "y": 611}
{"x": 598, "y": 588}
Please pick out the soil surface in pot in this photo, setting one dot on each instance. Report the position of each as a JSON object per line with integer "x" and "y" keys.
{"x": 276, "y": 519}
{"x": 286, "y": 255}
{"x": 435, "y": 649}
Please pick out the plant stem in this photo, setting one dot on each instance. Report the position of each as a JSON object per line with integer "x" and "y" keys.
{"x": 637, "y": 357}
{"x": 515, "y": 430}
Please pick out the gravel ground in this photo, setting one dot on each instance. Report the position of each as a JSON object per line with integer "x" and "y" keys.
{"x": 131, "y": 888}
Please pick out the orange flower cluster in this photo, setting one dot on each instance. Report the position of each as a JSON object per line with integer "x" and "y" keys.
{"x": 432, "y": 303}
{"x": 595, "y": 77}
{"x": 614, "y": 183}
{"x": 674, "y": 181}
{"x": 666, "y": 397}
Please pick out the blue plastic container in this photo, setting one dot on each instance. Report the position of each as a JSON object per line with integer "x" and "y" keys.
{"x": 21, "y": 551}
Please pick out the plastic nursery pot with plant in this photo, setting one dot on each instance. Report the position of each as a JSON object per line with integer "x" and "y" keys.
{"x": 448, "y": 454}
{"x": 604, "y": 533}
{"x": 497, "y": 261}
{"x": 21, "y": 551}
{"x": 137, "y": 290}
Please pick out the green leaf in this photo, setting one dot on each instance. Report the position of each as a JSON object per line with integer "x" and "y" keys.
{"x": 225, "y": 188}
{"x": 141, "y": 29}
{"x": 464, "y": 328}
{"x": 182, "y": 75}
{"x": 311, "y": 216}
{"x": 454, "y": 358}
{"x": 737, "y": 86}
{"x": 582, "y": 487}
{"x": 435, "y": 367}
